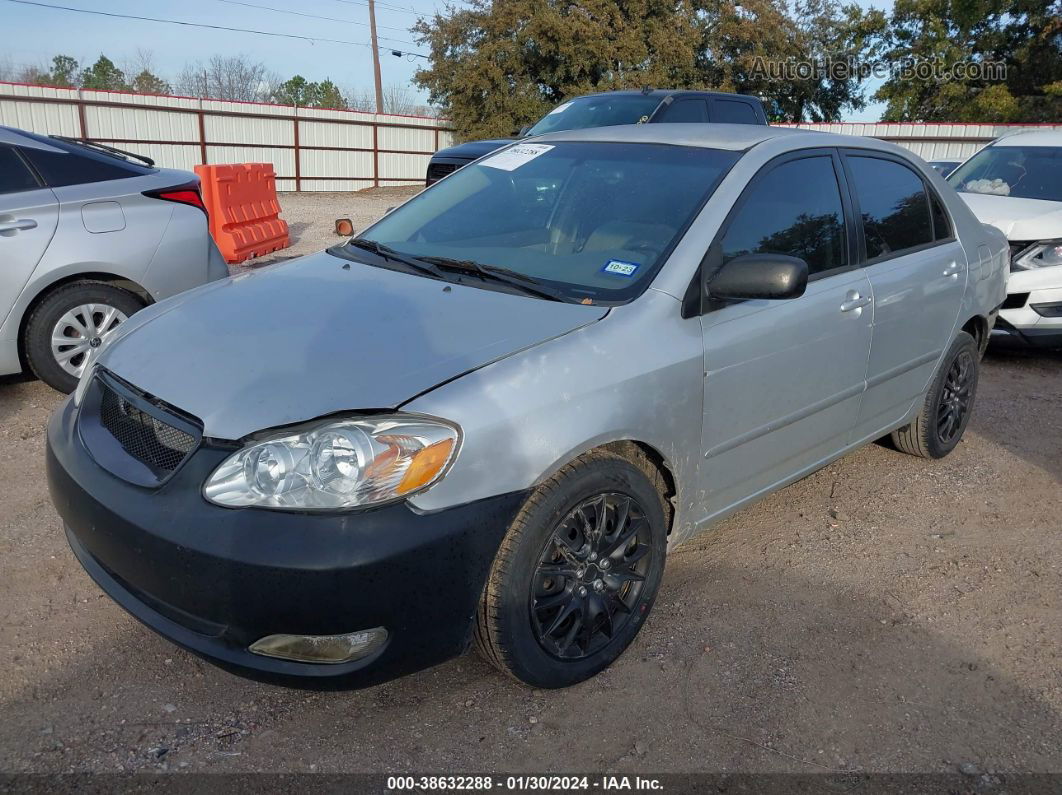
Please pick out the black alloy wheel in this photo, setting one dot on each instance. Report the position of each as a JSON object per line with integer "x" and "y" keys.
{"x": 955, "y": 397}
{"x": 589, "y": 576}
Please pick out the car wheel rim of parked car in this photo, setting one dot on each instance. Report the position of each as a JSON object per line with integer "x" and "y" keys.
{"x": 79, "y": 331}
{"x": 589, "y": 575}
{"x": 955, "y": 397}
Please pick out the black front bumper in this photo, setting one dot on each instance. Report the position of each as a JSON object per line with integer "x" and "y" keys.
{"x": 214, "y": 580}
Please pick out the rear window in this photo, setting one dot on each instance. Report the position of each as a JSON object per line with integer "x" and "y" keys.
{"x": 65, "y": 168}
{"x": 729, "y": 111}
{"x": 14, "y": 176}
{"x": 74, "y": 164}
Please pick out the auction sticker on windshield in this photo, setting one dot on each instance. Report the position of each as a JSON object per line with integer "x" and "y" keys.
{"x": 515, "y": 156}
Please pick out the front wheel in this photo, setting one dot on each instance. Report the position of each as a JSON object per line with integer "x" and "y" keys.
{"x": 948, "y": 403}
{"x": 577, "y": 572}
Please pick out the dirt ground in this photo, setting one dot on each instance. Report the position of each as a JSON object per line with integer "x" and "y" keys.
{"x": 885, "y": 614}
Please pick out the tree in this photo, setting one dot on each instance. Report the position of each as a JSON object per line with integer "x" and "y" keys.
{"x": 1017, "y": 44}
{"x": 148, "y": 83}
{"x": 63, "y": 74}
{"x": 228, "y": 77}
{"x": 797, "y": 60}
{"x": 498, "y": 64}
{"x": 104, "y": 76}
{"x": 297, "y": 91}
{"x": 329, "y": 96}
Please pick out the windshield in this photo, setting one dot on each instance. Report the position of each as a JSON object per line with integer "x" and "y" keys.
{"x": 604, "y": 110}
{"x": 1024, "y": 172}
{"x": 591, "y": 220}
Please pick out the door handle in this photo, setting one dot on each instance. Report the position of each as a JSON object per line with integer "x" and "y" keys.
{"x": 19, "y": 225}
{"x": 855, "y": 301}
{"x": 953, "y": 270}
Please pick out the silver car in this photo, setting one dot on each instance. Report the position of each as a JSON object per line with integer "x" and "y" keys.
{"x": 489, "y": 417}
{"x": 88, "y": 236}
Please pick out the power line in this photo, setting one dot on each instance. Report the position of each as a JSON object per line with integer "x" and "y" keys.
{"x": 313, "y": 16}
{"x": 311, "y": 39}
{"x": 389, "y": 7}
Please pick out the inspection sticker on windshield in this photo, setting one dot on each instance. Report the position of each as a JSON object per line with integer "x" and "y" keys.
{"x": 515, "y": 156}
{"x": 620, "y": 268}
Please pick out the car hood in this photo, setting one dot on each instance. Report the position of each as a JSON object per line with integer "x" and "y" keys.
{"x": 320, "y": 335}
{"x": 473, "y": 150}
{"x": 1018, "y": 219}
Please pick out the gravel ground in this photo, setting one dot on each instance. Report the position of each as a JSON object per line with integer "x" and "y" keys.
{"x": 884, "y": 614}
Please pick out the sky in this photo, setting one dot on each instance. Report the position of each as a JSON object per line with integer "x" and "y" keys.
{"x": 30, "y": 35}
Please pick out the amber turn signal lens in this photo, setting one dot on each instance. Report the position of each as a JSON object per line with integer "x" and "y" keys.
{"x": 425, "y": 466}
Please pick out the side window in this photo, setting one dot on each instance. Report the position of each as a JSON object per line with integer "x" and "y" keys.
{"x": 893, "y": 203}
{"x": 794, "y": 209}
{"x": 941, "y": 222}
{"x": 687, "y": 110}
{"x": 14, "y": 176}
{"x": 66, "y": 168}
{"x": 729, "y": 111}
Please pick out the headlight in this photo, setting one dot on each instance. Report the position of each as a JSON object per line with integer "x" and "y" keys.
{"x": 1040, "y": 255}
{"x": 342, "y": 464}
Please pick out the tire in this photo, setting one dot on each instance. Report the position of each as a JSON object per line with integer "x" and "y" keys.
{"x": 948, "y": 404}
{"x": 64, "y": 313}
{"x": 552, "y": 561}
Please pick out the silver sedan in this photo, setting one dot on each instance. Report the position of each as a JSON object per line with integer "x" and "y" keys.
{"x": 489, "y": 416}
{"x": 88, "y": 236}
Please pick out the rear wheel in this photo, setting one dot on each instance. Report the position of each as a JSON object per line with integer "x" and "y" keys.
{"x": 69, "y": 324}
{"x": 577, "y": 573}
{"x": 948, "y": 404}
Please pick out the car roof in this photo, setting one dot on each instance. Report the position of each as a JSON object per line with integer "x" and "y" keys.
{"x": 663, "y": 93}
{"x": 732, "y": 137}
{"x": 1031, "y": 138}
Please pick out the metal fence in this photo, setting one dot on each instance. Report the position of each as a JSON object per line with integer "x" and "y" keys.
{"x": 327, "y": 150}
{"x": 310, "y": 149}
{"x": 928, "y": 140}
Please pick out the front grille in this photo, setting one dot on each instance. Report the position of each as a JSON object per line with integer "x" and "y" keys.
{"x": 146, "y": 438}
{"x": 437, "y": 171}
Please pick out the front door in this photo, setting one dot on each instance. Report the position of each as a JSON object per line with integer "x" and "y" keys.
{"x": 783, "y": 379}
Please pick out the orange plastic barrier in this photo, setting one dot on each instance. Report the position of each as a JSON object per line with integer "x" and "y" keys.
{"x": 241, "y": 199}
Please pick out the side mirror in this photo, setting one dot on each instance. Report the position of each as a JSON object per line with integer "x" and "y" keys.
{"x": 523, "y": 131}
{"x": 770, "y": 276}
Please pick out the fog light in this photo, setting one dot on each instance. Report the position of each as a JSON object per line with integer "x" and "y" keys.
{"x": 321, "y": 648}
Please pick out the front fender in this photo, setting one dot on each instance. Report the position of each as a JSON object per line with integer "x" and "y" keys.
{"x": 635, "y": 375}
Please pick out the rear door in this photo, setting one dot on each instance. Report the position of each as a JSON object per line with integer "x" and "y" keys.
{"x": 917, "y": 271}
{"x": 28, "y": 216}
{"x": 783, "y": 379}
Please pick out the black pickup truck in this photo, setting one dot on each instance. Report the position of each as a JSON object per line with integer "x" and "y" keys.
{"x": 611, "y": 108}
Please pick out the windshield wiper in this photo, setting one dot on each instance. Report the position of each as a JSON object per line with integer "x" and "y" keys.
{"x": 521, "y": 281}
{"x": 388, "y": 253}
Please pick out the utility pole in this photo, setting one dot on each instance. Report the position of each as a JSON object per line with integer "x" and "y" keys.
{"x": 375, "y": 57}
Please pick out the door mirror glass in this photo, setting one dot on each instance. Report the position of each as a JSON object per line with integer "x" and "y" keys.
{"x": 770, "y": 276}
{"x": 523, "y": 131}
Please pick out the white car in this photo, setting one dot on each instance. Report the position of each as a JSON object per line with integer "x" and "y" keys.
{"x": 1015, "y": 184}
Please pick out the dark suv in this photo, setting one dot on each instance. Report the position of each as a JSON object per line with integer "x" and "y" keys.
{"x": 609, "y": 109}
